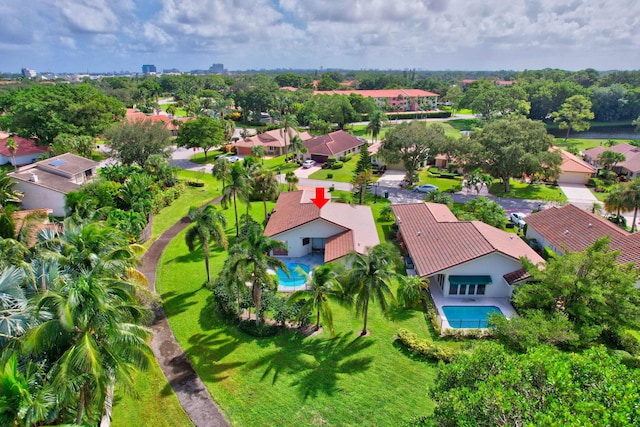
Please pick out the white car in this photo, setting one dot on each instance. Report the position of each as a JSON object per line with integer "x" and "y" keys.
{"x": 308, "y": 163}
{"x": 517, "y": 218}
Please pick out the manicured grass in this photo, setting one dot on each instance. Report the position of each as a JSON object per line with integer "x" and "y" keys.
{"x": 211, "y": 157}
{"x": 180, "y": 112}
{"x": 277, "y": 164}
{"x": 521, "y": 190}
{"x": 466, "y": 124}
{"x": 362, "y": 132}
{"x": 443, "y": 184}
{"x": 585, "y": 144}
{"x": 156, "y": 404}
{"x": 344, "y": 174}
{"x": 289, "y": 379}
{"x": 192, "y": 196}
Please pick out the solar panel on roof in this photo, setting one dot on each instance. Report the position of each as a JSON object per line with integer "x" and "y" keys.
{"x": 57, "y": 162}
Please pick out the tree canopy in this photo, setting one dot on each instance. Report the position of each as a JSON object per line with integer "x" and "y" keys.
{"x": 412, "y": 143}
{"x": 574, "y": 114}
{"x": 134, "y": 142}
{"x": 203, "y": 132}
{"x": 45, "y": 112}
{"x": 508, "y": 148}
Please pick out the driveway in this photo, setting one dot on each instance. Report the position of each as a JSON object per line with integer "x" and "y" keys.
{"x": 579, "y": 195}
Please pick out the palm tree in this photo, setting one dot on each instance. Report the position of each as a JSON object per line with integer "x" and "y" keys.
{"x": 376, "y": 121}
{"x": 235, "y": 185}
{"x": 251, "y": 257}
{"x": 7, "y": 193}
{"x": 322, "y": 286}
{"x": 258, "y": 151}
{"x": 12, "y": 146}
{"x": 412, "y": 290}
{"x": 93, "y": 339}
{"x": 265, "y": 186}
{"x": 297, "y": 145}
{"x": 208, "y": 226}
{"x": 632, "y": 200}
{"x": 291, "y": 179}
{"x": 16, "y": 316}
{"x": 369, "y": 278}
{"x": 289, "y": 124}
{"x": 615, "y": 201}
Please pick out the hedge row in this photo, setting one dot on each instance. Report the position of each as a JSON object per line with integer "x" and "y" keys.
{"x": 424, "y": 347}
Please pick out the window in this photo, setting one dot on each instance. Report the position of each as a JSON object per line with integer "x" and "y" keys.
{"x": 453, "y": 290}
{"x": 306, "y": 241}
{"x": 481, "y": 289}
{"x": 472, "y": 290}
{"x": 463, "y": 289}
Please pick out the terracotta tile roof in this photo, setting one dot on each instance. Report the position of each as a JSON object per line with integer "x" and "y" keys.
{"x": 380, "y": 93}
{"x": 295, "y": 209}
{"x": 436, "y": 240}
{"x": 571, "y": 163}
{"x": 133, "y": 115}
{"x": 631, "y": 154}
{"x": 516, "y": 276}
{"x": 271, "y": 138}
{"x": 332, "y": 143}
{"x": 25, "y": 146}
{"x": 338, "y": 246}
{"x": 575, "y": 229}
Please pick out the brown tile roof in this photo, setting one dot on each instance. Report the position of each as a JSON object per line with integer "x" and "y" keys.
{"x": 332, "y": 143}
{"x": 516, "y": 276}
{"x": 436, "y": 240}
{"x": 571, "y": 163}
{"x": 294, "y": 209}
{"x": 575, "y": 229}
{"x": 631, "y": 154}
{"x": 25, "y": 146}
{"x": 272, "y": 138}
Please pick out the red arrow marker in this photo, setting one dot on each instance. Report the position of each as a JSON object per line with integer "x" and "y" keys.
{"x": 320, "y": 200}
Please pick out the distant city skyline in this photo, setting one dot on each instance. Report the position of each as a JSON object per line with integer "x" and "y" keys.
{"x": 121, "y": 35}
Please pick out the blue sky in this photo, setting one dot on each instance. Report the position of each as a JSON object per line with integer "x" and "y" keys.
{"x": 116, "y": 35}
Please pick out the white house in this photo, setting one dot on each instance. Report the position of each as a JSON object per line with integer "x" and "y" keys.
{"x": 461, "y": 259}
{"x": 334, "y": 230}
{"x": 45, "y": 183}
{"x": 26, "y": 153}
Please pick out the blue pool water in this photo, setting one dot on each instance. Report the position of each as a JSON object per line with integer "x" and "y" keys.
{"x": 296, "y": 277}
{"x": 460, "y": 316}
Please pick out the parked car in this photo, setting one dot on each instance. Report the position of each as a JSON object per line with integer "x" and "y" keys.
{"x": 425, "y": 188}
{"x": 230, "y": 159}
{"x": 308, "y": 163}
{"x": 517, "y": 218}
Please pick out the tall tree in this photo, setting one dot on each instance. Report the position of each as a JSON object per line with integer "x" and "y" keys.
{"x": 235, "y": 187}
{"x": 204, "y": 132}
{"x": 608, "y": 159}
{"x": 93, "y": 338}
{"x": 297, "y": 145}
{"x": 453, "y": 96}
{"x": 412, "y": 143}
{"x": 251, "y": 256}
{"x": 208, "y": 226}
{"x": 508, "y": 148}
{"x": 574, "y": 114}
{"x": 376, "y": 122}
{"x": 289, "y": 125}
{"x": 590, "y": 287}
{"x": 133, "y": 142}
{"x": 81, "y": 145}
{"x": 321, "y": 288}
{"x": 265, "y": 187}
{"x": 631, "y": 197}
{"x": 369, "y": 279}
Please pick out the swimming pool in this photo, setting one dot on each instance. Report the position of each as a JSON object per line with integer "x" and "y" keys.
{"x": 468, "y": 316}
{"x": 296, "y": 277}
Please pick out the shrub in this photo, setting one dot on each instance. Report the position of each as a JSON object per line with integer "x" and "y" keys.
{"x": 195, "y": 183}
{"x": 630, "y": 342}
{"x": 329, "y": 175}
{"x": 259, "y": 330}
{"x": 337, "y": 165}
{"x": 424, "y": 347}
{"x": 592, "y": 182}
{"x": 346, "y": 158}
{"x": 333, "y": 187}
{"x": 331, "y": 160}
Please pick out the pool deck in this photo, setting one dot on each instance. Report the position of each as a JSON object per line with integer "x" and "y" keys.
{"x": 312, "y": 260}
{"x": 472, "y": 301}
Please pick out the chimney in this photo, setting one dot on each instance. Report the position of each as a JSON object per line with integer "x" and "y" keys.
{"x": 33, "y": 177}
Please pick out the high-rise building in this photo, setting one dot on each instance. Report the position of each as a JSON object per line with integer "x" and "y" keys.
{"x": 27, "y": 72}
{"x": 217, "y": 68}
{"x": 148, "y": 69}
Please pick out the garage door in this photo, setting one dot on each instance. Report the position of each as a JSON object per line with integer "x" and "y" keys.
{"x": 573, "y": 178}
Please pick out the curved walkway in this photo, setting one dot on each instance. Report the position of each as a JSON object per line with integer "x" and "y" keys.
{"x": 191, "y": 391}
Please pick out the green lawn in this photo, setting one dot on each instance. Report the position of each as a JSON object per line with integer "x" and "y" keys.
{"x": 443, "y": 184}
{"x": 180, "y": 112}
{"x": 156, "y": 405}
{"x": 585, "y": 144}
{"x": 344, "y": 174}
{"x": 521, "y": 190}
{"x": 289, "y": 379}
